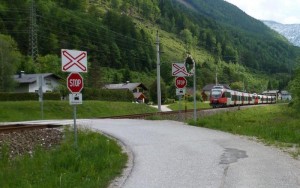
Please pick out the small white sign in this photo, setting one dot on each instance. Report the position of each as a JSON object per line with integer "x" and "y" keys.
{"x": 73, "y": 61}
{"x": 75, "y": 98}
{"x": 180, "y": 91}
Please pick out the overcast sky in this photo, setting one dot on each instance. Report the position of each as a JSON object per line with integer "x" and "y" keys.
{"x": 282, "y": 11}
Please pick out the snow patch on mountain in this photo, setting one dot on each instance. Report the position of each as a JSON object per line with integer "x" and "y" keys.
{"x": 289, "y": 31}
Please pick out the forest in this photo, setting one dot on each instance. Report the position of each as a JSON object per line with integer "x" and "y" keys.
{"x": 120, "y": 39}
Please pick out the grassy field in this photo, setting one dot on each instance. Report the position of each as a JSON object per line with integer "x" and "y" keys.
{"x": 95, "y": 162}
{"x": 31, "y": 110}
{"x": 274, "y": 124}
{"x": 98, "y": 159}
{"x": 188, "y": 105}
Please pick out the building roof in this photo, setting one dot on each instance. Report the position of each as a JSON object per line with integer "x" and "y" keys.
{"x": 274, "y": 92}
{"x": 208, "y": 87}
{"x": 285, "y": 93}
{"x": 138, "y": 95}
{"x": 129, "y": 86}
{"x": 23, "y": 78}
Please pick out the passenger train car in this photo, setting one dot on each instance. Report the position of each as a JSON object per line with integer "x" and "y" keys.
{"x": 222, "y": 97}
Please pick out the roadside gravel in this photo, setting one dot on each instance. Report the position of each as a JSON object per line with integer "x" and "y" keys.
{"x": 24, "y": 142}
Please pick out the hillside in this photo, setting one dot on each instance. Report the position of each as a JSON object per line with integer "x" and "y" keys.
{"x": 289, "y": 31}
{"x": 120, "y": 36}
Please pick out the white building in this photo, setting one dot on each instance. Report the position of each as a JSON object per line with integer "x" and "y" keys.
{"x": 30, "y": 83}
{"x": 285, "y": 96}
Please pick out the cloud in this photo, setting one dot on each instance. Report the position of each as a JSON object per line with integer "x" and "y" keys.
{"x": 283, "y": 11}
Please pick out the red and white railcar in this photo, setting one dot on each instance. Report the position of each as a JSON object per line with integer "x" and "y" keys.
{"x": 222, "y": 97}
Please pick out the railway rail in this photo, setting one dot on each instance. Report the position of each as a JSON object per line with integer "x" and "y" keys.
{"x": 179, "y": 115}
{"x": 145, "y": 115}
{"x": 20, "y": 127}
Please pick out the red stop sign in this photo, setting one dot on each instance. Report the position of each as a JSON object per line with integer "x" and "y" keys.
{"x": 180, "y": 82}
{"x": 75, "y": 82}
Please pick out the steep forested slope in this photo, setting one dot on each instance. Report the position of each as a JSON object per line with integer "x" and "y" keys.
{"x": 121, "y": 35}
{"x": 257, "y": 46}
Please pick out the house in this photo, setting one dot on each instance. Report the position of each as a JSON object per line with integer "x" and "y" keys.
{"x": 206, "y": 90}
{"x": 138, "y": 89}
{"x": 30, "y": 83}
{"x": 271, "y": 93}
{"x": 285, "y": 96}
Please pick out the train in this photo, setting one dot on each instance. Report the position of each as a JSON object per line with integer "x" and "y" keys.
{"x": 222, "y": 97}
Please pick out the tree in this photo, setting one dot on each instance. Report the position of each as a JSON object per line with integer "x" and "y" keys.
{"x": 237, "y": 86}
{"x": 187, "y": 37}
{"x": 116, "y": 79}
{"x": 295, "y": 88}
{"x": 126, "y": 75}
{"x": 9, "y": 61}
{"x": 49, "y": 64}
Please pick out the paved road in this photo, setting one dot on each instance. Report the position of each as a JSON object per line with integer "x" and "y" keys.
{"x": 164, "y": 108}
{"x": 168, "y": 154}
{"x": 172, "y": 154}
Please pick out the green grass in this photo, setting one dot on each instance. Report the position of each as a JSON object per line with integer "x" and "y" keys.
{"x": 96, "y": 161}
{"x": 188, "y": 105}
{"x": 31, "y": 110}
{"x": 275, "y": 124}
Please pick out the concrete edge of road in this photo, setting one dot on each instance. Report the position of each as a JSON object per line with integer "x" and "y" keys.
{"x": 119, "y": 181}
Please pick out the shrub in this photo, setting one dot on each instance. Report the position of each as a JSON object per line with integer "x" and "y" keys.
{"x": 107, "y": 95}
{"x": 28, "y": 96}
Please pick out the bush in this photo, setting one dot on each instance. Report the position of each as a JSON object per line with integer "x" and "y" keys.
{"x": 190, "y": 98}
{"x": 107, "y": 95}
{"x": 169, "y": 101}
{"x": 28, "y": 96}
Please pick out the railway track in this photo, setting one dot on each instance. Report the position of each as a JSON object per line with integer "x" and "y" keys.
{"x": 182, "y": 115}
{"x": 20, "y": 127}
{"x": 145, "y": 115}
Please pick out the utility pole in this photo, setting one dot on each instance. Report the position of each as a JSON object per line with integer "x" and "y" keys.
{"x": 158, "y": 74}
{"x": 195, "y": 100}
{"x": 216, "y": 76}
{"x": 33, "y": 43}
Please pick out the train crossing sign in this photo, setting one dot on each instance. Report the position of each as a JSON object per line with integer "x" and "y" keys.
{"x": 75, "y": 82}
{"x": 180, "y": 82}
{"x": 73, "y": 61}
{"x": 179, "y": 69}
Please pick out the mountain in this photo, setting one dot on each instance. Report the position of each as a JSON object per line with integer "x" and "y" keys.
{"x": 289, "y": 31}
{"x": 120, "y": 36}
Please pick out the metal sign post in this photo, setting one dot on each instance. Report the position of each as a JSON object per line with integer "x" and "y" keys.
{"x": 181, "y": 70}
{"x": 75, "y": 126}
{"x": 74, "y": 61}
{"x": 180, "y": 91}
{"x": 195, "y": 101}
{"x": 40, "y": 92}
{"x": 179, "y": 108}
{"x": 75, "y": 99}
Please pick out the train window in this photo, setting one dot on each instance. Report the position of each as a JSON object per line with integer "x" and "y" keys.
{"x": 227, "y": 94}
{"x": 216, "y": 93}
